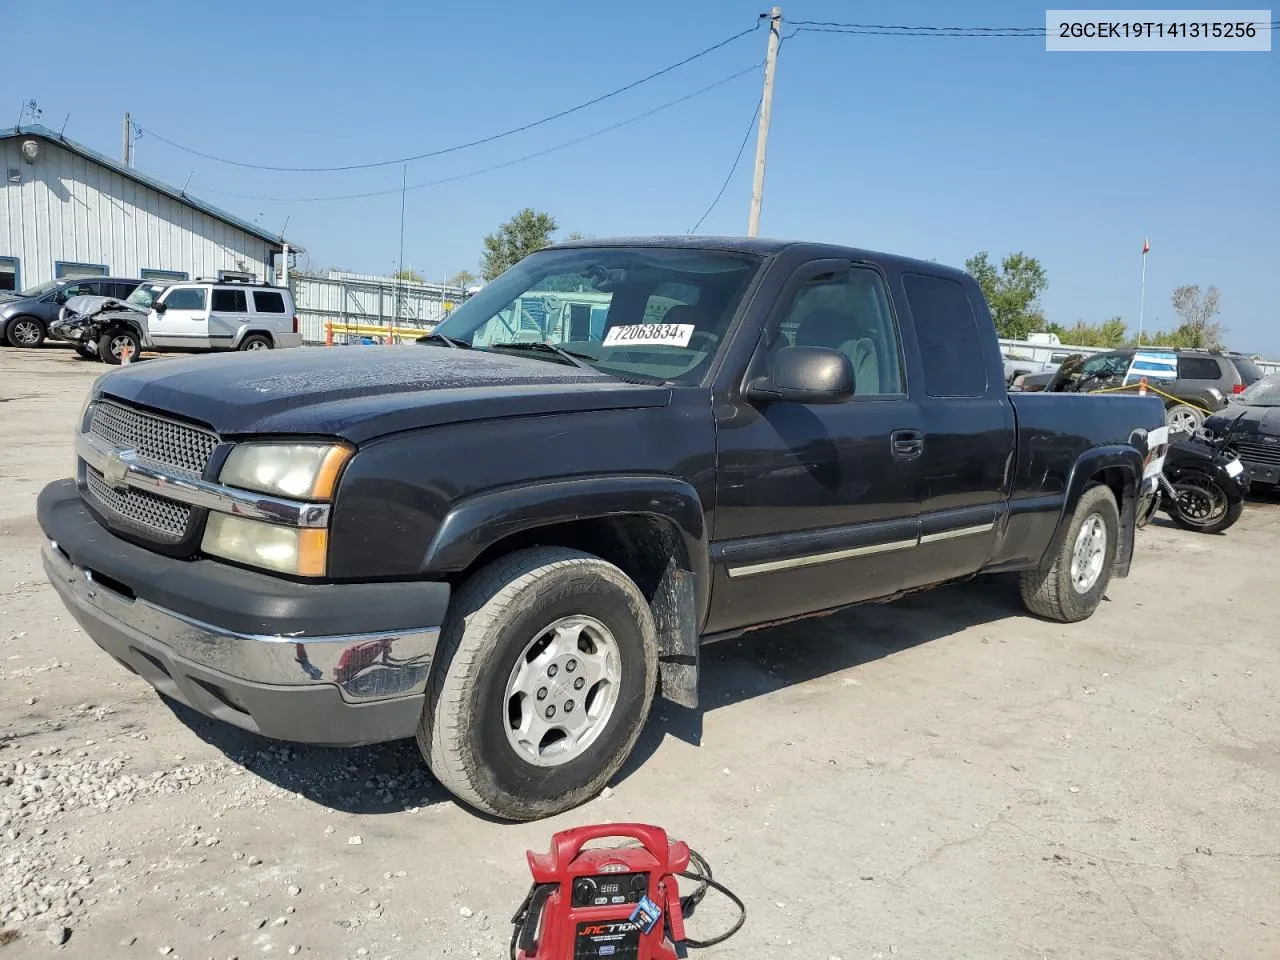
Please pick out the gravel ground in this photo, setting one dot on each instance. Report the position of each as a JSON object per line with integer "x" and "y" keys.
{"x": 939, "y": 777}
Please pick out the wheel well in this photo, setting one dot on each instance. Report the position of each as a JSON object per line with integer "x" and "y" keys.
{"x": 650, "y": 550}
{"x": 259, "y": 333}
{"x": 641, "y": 546}
{"x": 1114, "y": 478}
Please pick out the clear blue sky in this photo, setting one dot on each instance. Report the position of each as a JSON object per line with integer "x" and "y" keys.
{"x": 929, "y": 147}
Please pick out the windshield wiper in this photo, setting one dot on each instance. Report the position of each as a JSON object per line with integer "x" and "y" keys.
{"x": 577, "y": 359}
{"x": 449, "y": 341}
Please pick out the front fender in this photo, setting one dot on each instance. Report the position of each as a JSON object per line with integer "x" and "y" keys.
{"x": 1127, "y": 460}
{"x": 477, "y": 523}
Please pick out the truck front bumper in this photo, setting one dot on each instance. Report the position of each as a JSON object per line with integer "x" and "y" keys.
{"x": 243, "y": 647}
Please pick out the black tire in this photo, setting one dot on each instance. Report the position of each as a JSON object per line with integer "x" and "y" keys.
{"x": 1053, "y": 594}
{"x": 111, "y": 346}
{"x": 1228, "y": 518}
{"x": 256, "y": 341}
{"x": 84, "y": 353}
{"x": 492, "y": 619}
{"x": 25, "y": 332}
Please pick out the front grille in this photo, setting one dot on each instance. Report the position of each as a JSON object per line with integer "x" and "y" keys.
{"x": 1266, "y": 454}
{"x": 152, "y": 516}
{"x": 167, "y": 443}
{"x": 176, "y": 448}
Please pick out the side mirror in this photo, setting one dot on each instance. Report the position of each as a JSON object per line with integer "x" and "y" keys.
{"x": 159, "y": 306}
{"x": 805, "y": 375}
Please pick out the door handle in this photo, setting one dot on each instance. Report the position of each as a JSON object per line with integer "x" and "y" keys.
{"x": 906, "y": 444}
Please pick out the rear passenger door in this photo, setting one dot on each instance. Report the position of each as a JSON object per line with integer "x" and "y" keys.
{"x": 966, "y": 467}
{"x": 228, "y": 312}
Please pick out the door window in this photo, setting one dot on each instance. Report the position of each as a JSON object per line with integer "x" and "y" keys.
{"x": 848, "y": 311}
{"x": 229, "y": 301}
{"x": 947, "y": 331}
{"x": 1198, "y": 368}
{"x": 88, "y": 288}
{"x": 185, "y": 298}
{"x": 268, "y": 301}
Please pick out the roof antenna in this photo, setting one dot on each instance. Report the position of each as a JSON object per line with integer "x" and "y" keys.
{"x": 183, "y": 191}
{"x": 284, "y": 228}
{"x": 64, "y": 126}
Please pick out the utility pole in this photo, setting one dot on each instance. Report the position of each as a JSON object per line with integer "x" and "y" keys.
{"x": 766, "y": 106}
{"x": 126, "y": 155}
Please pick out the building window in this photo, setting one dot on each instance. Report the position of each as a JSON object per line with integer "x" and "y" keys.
{"x": 64, "y": 268}
{"x": 9, "y": 273}
{"x": 165, "y": 276}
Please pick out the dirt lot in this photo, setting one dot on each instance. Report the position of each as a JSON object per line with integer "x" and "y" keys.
{"x": 939, "y": 777}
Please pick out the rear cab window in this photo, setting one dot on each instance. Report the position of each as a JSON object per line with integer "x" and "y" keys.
{"x": 948, "y": 335}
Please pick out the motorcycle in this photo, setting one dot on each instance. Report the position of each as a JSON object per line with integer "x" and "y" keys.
{"x": 1202, "y": 486}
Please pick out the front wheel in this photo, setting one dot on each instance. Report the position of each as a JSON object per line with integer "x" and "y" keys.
{"x": 1076, "y": 582}
{"x": 119, "y": 346}
{"x": 26, "y": 332}
{"x": 85, "y": 352}
{"x": 1200, "y": 504}
{"x": 543, "y": 679}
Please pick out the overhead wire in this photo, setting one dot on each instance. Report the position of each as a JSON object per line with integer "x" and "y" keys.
{"x": 459, "y": 146}
{"x": 928, "y": 30}
{"x": 755, "y": 115}
{"x": 497, "y": 166}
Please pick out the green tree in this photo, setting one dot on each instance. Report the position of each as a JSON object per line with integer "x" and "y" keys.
{"x": 463, "y": 278}
{"x": 412, "y": 276}
{"x": 1197, "y": 311}
{"x": 1012, "y": 292}
{"x": 528, "y": 231}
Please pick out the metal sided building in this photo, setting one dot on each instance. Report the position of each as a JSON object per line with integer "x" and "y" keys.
{"x": 66, "y": 210}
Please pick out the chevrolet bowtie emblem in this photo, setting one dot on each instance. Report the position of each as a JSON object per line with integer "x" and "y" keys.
{"x": 116, "y": 466}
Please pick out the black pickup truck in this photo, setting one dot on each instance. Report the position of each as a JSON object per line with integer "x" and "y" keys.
{"x": 505, "y": 538}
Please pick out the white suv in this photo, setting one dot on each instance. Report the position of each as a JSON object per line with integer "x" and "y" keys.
{"x": 218, "y": 315}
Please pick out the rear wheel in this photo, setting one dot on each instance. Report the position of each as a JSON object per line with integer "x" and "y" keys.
{"x": 25, "y": 332}
{"x": 1183, "y": 418}
{"x": 1076, "y": 582}
{"x": 255, "y": 341}
{"x": 117, "y": 346}
{"x": 543, "y": 679}
{"x": 1201, "y": 505}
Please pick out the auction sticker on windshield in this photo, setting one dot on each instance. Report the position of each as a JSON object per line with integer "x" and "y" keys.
{"x": 650, "y": 335}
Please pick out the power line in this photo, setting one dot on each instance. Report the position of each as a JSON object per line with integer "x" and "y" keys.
{"x": 472, "y": 143}
{"x": 755, "y": 114}
{"x": 498, "y": 166}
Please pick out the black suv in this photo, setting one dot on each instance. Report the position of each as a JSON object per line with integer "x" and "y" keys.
{"x": 25, "y": 317}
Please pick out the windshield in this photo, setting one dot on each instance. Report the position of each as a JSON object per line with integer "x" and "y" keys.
{"x": 1107, "y": 365}
{"x": 145, "y": 295}
{"x": 1264, "y": 393}
{"x": 40, "y": 289}
{"x": 648, "y": 313}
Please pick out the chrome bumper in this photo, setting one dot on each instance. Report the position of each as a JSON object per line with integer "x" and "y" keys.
{"x": 362, "y": 667}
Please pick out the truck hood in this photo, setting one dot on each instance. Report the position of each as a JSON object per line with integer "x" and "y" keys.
{"x": 87, "y": 303}
{"x": 360, "y": 393}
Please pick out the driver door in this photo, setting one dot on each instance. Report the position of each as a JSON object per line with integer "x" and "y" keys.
{"x": 184, "y": 324}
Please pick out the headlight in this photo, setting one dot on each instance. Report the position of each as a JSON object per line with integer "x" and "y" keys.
{"x": 293, "y": 550}
{"x": 304, "y": 471}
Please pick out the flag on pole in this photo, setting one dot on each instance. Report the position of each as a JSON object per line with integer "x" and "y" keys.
{"x": 1146, "y": 246}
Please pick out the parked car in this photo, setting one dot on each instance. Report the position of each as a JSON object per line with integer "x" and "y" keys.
{"x": 185, "y": 317}
{"x": 500, "y": 545}
{"x": 1205, "y": 381}
{"x": 1015, "y": 367}
{"x": 25, "y": 317}
{"x": 1257, "y": 437}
